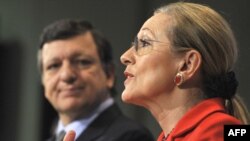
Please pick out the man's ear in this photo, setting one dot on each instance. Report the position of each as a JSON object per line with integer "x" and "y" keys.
{"x": 110, "y": 76}
{"x": 191, "y": 64}
{"x": 42, "y": 78}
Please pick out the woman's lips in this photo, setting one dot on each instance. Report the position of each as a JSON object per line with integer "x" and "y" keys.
{"x": 128, "y": 76}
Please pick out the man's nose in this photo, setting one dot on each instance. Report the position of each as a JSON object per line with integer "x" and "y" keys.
{"x": 68, "y": 74}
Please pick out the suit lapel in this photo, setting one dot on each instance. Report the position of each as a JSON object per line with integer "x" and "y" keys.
{"x": 51, "y": 138}
{"x": 97, "y": 128}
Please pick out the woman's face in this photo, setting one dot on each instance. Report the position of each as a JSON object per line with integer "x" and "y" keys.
{"x": 150, "y": 64}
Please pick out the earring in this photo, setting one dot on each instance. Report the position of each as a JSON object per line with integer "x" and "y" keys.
{"x": 178, "y": 80}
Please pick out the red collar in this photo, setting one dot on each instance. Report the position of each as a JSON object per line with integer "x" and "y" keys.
{"x": 195, "y": 115}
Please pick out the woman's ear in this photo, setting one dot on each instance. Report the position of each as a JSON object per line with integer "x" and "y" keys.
{"x": 191, "y": 64}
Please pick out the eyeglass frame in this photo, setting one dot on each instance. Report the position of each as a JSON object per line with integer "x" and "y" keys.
{"x": 135, "y": 44}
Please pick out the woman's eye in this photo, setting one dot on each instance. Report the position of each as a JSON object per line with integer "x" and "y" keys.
{"x": 144, "y": 43}
{"x": 133, "y": 44}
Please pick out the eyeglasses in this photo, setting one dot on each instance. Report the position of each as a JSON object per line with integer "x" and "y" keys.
{"x": 144, "y": 46}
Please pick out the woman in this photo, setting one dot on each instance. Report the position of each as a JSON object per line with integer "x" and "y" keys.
{"x": 180, "y": 68}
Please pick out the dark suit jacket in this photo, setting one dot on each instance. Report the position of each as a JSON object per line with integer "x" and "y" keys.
{"x": 112, "y": 125}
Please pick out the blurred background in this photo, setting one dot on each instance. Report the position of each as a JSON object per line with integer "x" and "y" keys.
{"x": 25, "y": 114}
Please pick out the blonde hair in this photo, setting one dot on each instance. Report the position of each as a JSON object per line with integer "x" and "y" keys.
{"x": 240, "y": 110}
{"x": 201, "y": 28}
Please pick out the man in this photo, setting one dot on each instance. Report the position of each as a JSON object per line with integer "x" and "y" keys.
{"x": 78, "y": 78}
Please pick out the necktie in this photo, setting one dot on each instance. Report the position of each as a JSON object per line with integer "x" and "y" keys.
{"x": 60, "y": 136}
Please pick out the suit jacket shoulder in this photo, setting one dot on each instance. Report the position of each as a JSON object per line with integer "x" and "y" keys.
{"x": 112, "y": 125}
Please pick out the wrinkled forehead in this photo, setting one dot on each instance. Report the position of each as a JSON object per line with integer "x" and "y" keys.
{"x": 156, "y": 26}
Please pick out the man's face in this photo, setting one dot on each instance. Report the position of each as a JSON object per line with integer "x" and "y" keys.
{"x": 73, "y": 76}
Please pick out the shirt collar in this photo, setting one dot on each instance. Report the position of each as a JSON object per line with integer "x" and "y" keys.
{"x": 80, "y": 125}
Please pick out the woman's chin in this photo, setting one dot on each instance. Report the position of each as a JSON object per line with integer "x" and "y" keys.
{"x": 127, "y": 98}
{"x": 130, "y": 99}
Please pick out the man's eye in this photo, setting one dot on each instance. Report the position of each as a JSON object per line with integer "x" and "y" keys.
{"x": 53, "y": 66}
{"x": 84, "y": 62}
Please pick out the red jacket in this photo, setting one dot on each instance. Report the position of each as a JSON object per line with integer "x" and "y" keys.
{"x": 204, "y": 122}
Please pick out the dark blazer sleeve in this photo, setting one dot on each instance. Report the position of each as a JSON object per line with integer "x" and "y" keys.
{"x": 112, "y": 125}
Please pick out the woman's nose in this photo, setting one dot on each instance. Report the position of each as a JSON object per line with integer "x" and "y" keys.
{"x": 127, "y": 58}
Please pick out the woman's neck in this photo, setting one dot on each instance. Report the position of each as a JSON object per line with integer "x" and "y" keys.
{"x": 169, "y": 109}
